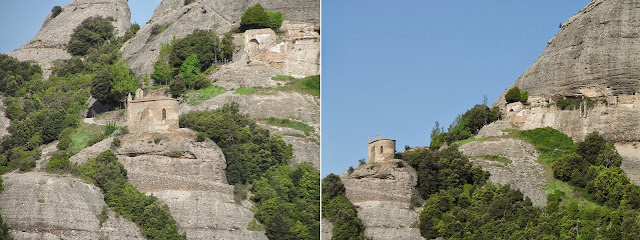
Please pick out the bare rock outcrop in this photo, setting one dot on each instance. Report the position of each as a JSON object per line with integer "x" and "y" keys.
{"x": 49, "y": 43}
{"x": 381, "y": 194}
{"x": 37, "y": 205}
{"x": 280, "y": 104}
{"x": 188, "y": 176}
{"x": 327, "y": 229}
{"x": 593, "y": 55}
{"x": 220, "y": 16}
{"x": 524, "y": 172}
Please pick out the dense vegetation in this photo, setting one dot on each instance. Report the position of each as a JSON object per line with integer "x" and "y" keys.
{"x": 602, "y": 204}
{"x": 464, "y": 126}
{"x": 250, "y": 150}
{"x": 92, "y": 32}
{"x": 515, "y": 95}
{"x": 184, "y": 63}
{"x": 288, "y": 202}
{"x": 155, "y": 220}
{"x": 340, "y": 211}
{"x": 41, "y": 112}
{"x": 256, "y": 17}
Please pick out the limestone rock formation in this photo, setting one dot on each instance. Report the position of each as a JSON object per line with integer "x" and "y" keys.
{"x": 41, "y": 206}
{"x": 188, "y": 176}
{"x": 593, "y": 55}
{"x": 524, "y": 172}
{"x": 49, "y": 43}
{"x": 204, "y": 14}
{"x": 327, "y": 229}
{"x": 381, "y": 193}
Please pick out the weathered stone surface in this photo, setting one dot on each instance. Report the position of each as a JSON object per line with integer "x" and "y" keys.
{"x": 4, "y": 121}
{"x": 207, "y": 215}
{"x": 630, "y": 160}
{"x": 283, "y": 104}
{"x": 193, "y": 185}
{"x": 246, "y": 74}
{"x": 494, "y": 129}
{"x": 219, "y": 15}
{"x": 304, "y": 150}
{"x": 41, "y": 206}
{"x": 49, "y": 43}
{"x": 327, "y": 229}
{"x": 592, "y": 55}
{"x": 524, "y": 172}
{"x": 381, "y": 194}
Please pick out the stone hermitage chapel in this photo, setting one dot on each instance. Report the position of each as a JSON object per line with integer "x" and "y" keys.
{"x": 381, "y": 150}
{"x": 156, "y": 112}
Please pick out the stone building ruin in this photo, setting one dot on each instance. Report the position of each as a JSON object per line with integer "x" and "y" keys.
{"x": 381, "y": 150}
{"x": 156, "y": 112}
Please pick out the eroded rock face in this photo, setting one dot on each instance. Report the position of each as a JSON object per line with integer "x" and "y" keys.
{"x": 381, "y": 194}
{"x": 524, "y": 172}
{"x": 221, "y": 16}
{"x": 303, "y": 107}
{"x": 327, "y": 229}
{"x": 49, "y": 43}
{"x": 188, "y": 176}
{"x": 37, "y": 205}
{"x": 594, "y": 54}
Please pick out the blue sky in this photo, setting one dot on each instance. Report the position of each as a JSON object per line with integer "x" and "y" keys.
{"x": 21, "y": 20}
{"x": 395, "y": 67}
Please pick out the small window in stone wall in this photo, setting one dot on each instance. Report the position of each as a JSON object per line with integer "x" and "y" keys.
{"x": 164, "y": 114}
{"x": 381, "y": 149}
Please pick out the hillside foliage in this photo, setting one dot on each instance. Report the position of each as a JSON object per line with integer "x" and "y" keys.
{"x": 337, "y": 208}
{"x": 92, "y": 32}
{"x": 256, "y": 17}
{"x": 599, "y": 203}
{"x": 464, "y": 126}
{"x": 288, "y": 202}
{"x": 155, "y": 220}
{"x": 250, "y": 150}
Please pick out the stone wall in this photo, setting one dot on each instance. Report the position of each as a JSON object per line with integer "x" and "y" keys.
{"x": 152, "y": 114}
{"x": 381, "y": 150}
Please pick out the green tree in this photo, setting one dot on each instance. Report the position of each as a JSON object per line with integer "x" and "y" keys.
{"x": 513, "y": 95}
{"x": 101, "y": 87}
{"x": 93, "y": 31}
{"x": 190, "y": 71}
{"x": 590, "y": 148}
{"x": 254, "y": 17}
{"x": 122, "y": 82}
{"x": 609, "y": 186}
{"x": 177, "y": 86}
{"x": 275, "y": 20}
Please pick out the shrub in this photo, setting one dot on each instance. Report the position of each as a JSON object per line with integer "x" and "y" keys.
{"x": 177, "y": 86}
{"x": 117, "y": 142}
{"x": 187, "y": 2}
{"x": 513, "y": 95}
{"x": 157, "y": 29}
{"x": 524, "y": 96}
{"x": 254, "y": 17}
{"x": 55, "y": 11}
{"x": 110, "y": 128}
{"x": 59, "y": 163}
{"x": 93, "y": 31}
{"x": 590, "y": 148}
{"x": 95, "y": 139}
{"x": 275, "y": 20}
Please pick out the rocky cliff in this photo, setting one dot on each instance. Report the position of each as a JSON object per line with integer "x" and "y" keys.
{"x": 50, "y": 42}
{"x": 43, "y": 206}
{"x": 193, "y": 183}
{"x": 591, "y": 59}
{"x": 381, "y": 194}
{"x": 592, "y": 55}
{"x": 221, "y": 16}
